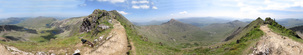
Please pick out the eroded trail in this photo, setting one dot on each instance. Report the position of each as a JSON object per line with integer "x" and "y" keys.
{"x": 275, "y": 44}
{"x": 4, "y": 51}
{"x": 116, "y": 45}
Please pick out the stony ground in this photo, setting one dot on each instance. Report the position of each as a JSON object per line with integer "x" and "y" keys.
{"x": 4, "y": 51}
{"x": 116, "y": 45}
{"x": 275, "y": 44}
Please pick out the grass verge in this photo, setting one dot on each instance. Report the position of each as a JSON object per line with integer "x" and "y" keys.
{"x": 235, "y": 47}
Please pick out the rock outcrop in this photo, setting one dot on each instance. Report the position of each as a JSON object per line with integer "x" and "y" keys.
{"x": 95, "y": 20}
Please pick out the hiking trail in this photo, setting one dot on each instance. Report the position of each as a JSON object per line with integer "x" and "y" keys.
{"x": 275, "y": 44}
{"x": 116, "y": 45}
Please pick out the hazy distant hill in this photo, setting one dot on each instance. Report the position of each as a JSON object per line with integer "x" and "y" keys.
{"x": 238, "y": 43}
{"x": 37, "y": 22}
{"x": 178, "y": 34}
{"x": 203, "y": 21}
{"x": 11, "y": 20}
{"x": 238, "y": 33}
{"x": 290, "y": 22}
{"x": 153, "y": 22}
{"x": 224, "y": 29}
{"x": 47, "y": 33}
{"x": 173, "y": 33}
{"x": 196, "y": 21}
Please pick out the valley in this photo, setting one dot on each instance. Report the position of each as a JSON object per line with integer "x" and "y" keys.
{"x": 151, "y": 27}
{"x": 110, "y": 33}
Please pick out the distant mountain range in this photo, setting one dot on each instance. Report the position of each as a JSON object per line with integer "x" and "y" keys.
{"x": 188, "y": 36}
{"x": 290, "y": 22}
{"x": 196, "y": 21}
{"x": 204, "y": 21}
{"x": 12, "y": 20}
{"x": 178, "y": 34}
{"x": 173, "y": 33}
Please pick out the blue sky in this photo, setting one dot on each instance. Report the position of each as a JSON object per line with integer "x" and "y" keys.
{"x": 147, "y": 10}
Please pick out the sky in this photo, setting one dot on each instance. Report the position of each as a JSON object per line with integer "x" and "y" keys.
{"x": 147, "y": 10}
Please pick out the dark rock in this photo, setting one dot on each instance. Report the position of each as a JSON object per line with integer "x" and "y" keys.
{"x": 161, "y": 43}
{"x": 238, "y": 41}
{"x": 93, "y": 21}
{"x": 76, "y": 54}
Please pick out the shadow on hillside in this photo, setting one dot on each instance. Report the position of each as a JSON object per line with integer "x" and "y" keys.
{"x": 48, "y": 37}
{"x": 52, "y": 34}
{"x": 17, "y": 28}
{"x": 12, "y": 38}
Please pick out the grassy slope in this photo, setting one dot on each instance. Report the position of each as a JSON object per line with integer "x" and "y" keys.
{"x": 69, "y": 38}
{"x": 175, "y": 34}
{"x": 37, "y": 22}
{"x": 186, "y": 35}
{"x": 143, "y": 47}
{"x": 277, "y": 28}
{"x": 222, "y": 30}
{"x": 248, "y": 36}
{"x": 55, "y": 44}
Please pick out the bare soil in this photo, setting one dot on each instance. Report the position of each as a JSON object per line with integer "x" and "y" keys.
{"x": 4, "y": 51}
{"x": 116, "y": 45}
{"x": 275, "y": 44}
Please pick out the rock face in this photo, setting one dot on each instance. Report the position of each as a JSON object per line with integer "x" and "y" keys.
{"x": 97, "y": 18}
{"x": 16, "y": 28}
{"x": 298, "y": 30}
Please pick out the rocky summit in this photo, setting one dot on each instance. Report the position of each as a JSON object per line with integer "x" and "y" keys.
{"x": 94, "y": 21}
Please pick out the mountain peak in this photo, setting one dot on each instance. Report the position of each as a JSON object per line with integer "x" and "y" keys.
{"x": 172, "y": 20}
{"x": 236, "y": 21}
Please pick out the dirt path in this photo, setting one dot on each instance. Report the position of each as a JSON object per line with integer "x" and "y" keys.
{"x": 4, "y": 51}
{"x": 274, "y": 44}
{"x": 116, "y": 45}
{"x": 133, "y": 49}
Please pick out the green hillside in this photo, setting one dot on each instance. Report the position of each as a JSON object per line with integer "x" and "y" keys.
{"x": 142, "y": 47}
{"x": 11, "y": 20}
{"x": 53, "y": 35}
{"x": 282, "y": 30}
{"x": 223, "y": 30}
{"x": 175, "y": 34}
{"x": 298, "y": 30}
{"x": 170, "y": 38}
{"x": 238, "y": 45}
{"x": 38, "y": 22}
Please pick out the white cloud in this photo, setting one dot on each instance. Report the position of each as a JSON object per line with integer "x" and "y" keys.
{"x": 256, "y": 8}
{"x": 122, "y": 12}
{"x": 184, "y": 12}
{"x": 135, "y": 7}
{"x": 143, "y": 1}
{"x": 82, "y": 5}
{"x": 144, "y": 6}
{"x": 140, "y": 7}
{"x": 154, "y": 7}
{"x": 112, "y": 1}
{"x": 270, "y": 4}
